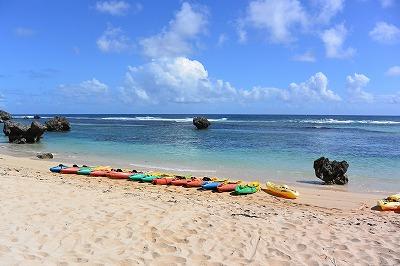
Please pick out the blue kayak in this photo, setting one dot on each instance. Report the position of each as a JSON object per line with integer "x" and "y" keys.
{"x": 211, "y": 185}
{"x": 57, "y": 169}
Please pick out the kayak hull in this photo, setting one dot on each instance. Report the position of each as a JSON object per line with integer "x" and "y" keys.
{"x": 70, "y": 170}
{"x": 211, "y": 185}
{"x": 280, "y": 191}
{"x": 226, "y": 187}
{"x": 119, "y": 175}
{"x": 194, "y": 183}
{"x": 99, "y": 173}
{"x": 136, "y": 177}
{"x": 57, "y": 169}
{"x": 179, "y": 182}
{"x": 386, "y": 205}
{"x": 162, "y": 181}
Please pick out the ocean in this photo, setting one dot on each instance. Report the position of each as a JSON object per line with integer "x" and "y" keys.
{"x": 248, "y": 147}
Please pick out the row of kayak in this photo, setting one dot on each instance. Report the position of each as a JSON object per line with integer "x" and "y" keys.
{"x": 220, "y": 185}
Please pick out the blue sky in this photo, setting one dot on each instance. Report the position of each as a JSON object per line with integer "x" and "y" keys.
{"x": 260, "y": 56}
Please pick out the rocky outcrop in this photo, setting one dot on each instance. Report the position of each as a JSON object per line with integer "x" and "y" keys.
{"x": 36, "y": 117}
{"x": 4, "y": 116}
{"x": 21, "y": 134}
{"x": 331, "y": 172}
{"x": 201, "y": 122}
{"x": 58, "y": 123}
{"x": 46, "y": 155}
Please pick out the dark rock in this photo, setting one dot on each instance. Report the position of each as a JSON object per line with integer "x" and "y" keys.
{"x": 4, "y": 116}
{"x": 331, "y": 172}
{"x": 36, "y": 117}
{"x": 58, "y": 123}
{"x": 46, "y": 155}
{"x": 201, "y": 122}
{"x": 21, "y": 134}
{"x": 25, "y": 117}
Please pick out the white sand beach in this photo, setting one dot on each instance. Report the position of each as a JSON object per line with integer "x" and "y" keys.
{"x": 50, "y": 219}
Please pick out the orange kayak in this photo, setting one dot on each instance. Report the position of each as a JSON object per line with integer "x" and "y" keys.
{"x": 194, "y": 183}
{"x": 99, "y": 173}
{"x": 70, "y": 170}
{"x": 227, "y": 187}
{"x": 162, "y": 181}
{"x": 119, "y": 175}
{"x": 179, "y": 182}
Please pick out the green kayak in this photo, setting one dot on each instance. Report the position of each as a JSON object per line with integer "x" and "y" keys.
{"x": 149, "y": 178}
{"x": 245, "y": 189}
{"x": 137, "y": 177}
{"x": 84, "y": 171}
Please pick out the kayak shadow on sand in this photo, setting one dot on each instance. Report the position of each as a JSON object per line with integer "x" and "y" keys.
{"x": 311, "y": 182}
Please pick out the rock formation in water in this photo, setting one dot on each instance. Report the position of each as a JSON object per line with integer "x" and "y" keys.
{"x": 331, "y": 172}
{"x": 201, "y": 122}
{"x": 21, "y": 134}
{"x": 4, "y": 116}
{"x": 58, "y": 123}
{"x": 36, "y": 117}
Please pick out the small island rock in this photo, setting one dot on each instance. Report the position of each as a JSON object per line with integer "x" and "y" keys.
{"x": 331, "y": 172}
{"x": 58, "y": 123}
{"x": 201, "y": 122}
{"x": 4, "y": 116}
{"x": 21, "y": 134}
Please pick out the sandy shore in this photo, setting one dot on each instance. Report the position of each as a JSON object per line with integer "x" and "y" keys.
{"x": 57, "y": 219}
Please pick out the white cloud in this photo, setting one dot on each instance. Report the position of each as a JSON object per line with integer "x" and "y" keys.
{"x": 24, "y": 32}
{"x": 387, "y": 3}
{"x": 277, "y": 17}
{"x": 241, "y": 32}
{"x": 175, "y": 40}
{"x": 328, "y": 9}
{"x": 393, "y": 71}
{"x": 222, "y": 39}
{"x": 114, "y": 40}
{"x": 91, "y": 87}
{"x": 355, "y": 85}
{"x": 385, "y": 33}
{"x": 115, "y": 8}
{"x": 181, "y": 80}
{"x": 334, "y": 39}
{"x": 306, "y": 57}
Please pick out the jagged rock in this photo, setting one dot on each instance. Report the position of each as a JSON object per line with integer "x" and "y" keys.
{"x": 201, "y": 122}
{"x": 36, "y": 117}
{"x": 331, "y": 172}
{"x": 58, "y": 123}
{"x": 46, "y": 155}
{"x": 4, "y": 116}
{"x": 21, "y": 134}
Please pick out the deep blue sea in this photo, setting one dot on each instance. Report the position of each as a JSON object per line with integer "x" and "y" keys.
{"x": 260, "y": 147}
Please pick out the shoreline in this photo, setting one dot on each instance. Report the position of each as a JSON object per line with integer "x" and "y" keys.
{"x": 59, "y": 219}
{"x": 356, "y": 184}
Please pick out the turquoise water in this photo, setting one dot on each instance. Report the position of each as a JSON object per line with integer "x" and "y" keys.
{"x": 263, "y": 147}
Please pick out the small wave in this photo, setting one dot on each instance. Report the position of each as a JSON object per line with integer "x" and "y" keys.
{"x": 336, "y": 121}
{"x": 173, "y": 169}
{"x": 152, "y": 118}
{"x": 23, "y": 116}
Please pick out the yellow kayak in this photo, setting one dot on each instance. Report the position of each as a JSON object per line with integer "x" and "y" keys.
{"x": 386, "y": 205}
{"x": 395, "y": 197}
{"x": 282, "y": 191}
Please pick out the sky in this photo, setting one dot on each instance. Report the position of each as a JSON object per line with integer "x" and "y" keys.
{"x": 250, "y": 57}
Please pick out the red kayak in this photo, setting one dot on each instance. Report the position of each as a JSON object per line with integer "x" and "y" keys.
{"x": 162, "y": 181}
{"x": 194, "y": 183}
{"x": 119, "y": 175}
{"x": 70, "y": 170}
{"x": 179, "y": 182}
{"x": 229, "y": 187}
{"x": 99, "y": 173}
